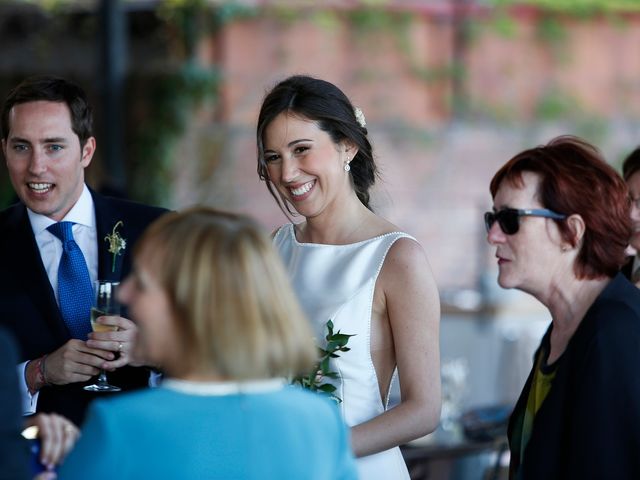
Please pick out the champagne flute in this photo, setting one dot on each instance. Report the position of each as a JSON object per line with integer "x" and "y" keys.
{"x": 105, "y": 303}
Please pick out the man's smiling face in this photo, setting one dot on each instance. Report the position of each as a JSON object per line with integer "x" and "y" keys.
{"x": 45, "y": 160}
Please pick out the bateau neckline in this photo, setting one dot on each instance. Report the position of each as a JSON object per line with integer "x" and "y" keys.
{"x": 292, "y": 233}
{"x": 223, "y": 388}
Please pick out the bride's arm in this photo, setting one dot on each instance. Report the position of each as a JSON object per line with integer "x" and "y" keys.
{"x": 413, "y": 307}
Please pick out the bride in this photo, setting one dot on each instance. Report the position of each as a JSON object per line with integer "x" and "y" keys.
{"x": 353, "y": 267}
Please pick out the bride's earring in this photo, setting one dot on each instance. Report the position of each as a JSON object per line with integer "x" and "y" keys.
{"x": 347, "y": 167}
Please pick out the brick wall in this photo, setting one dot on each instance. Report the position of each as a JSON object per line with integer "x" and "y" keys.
{"x": 435, "y": 166}
{"x": 509, "y": 88}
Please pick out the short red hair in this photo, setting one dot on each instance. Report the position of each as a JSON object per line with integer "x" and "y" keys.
{"x": 575, "y": 179}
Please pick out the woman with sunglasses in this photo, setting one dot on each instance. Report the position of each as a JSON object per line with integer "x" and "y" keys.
{"x": 560, "y": 225}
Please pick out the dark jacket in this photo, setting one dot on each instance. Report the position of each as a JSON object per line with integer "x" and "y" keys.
{"x": 14, "y": 453}
{"x": 627, "y": 268}
{"x": 588, "y": 427}
{"x": 28, "y": 306}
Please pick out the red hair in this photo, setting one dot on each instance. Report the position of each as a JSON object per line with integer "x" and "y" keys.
{"x": 575, "y": 179}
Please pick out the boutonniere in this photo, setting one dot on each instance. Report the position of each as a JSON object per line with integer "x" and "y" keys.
{"x": 116, "y": 243}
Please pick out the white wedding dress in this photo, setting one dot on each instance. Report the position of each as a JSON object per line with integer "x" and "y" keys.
{"x": 337, "y": 282}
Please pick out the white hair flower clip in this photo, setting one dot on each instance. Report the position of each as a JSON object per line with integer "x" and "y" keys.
{"x": 359, "y": 117}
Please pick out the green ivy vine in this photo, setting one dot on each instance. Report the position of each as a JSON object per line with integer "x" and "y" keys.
{"x": 163, "y": 102}
{"x": 574, "y": 7}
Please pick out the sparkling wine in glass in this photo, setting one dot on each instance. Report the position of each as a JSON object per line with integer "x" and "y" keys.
{"x": 105, "y": 303}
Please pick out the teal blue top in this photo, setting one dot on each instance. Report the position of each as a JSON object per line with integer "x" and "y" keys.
{"x": 183, "y": 430}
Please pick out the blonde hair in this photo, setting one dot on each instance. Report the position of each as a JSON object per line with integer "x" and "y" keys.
{"x": 232, "y": 301}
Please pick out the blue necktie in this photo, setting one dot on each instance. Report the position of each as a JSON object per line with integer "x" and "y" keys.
{"x": 75, "y": 293}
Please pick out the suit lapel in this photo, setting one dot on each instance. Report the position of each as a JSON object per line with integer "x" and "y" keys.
{"x": 28, "y": 270}
{"x": 106, "y": 220}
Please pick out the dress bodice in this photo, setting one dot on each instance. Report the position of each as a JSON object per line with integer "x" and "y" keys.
{"x": 337, "y": 283}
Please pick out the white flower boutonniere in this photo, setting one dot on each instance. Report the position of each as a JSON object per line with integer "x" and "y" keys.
{"x": 116, "y": 243}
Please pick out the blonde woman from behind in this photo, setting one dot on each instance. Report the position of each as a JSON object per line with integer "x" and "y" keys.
{"x": 216, "y": 313}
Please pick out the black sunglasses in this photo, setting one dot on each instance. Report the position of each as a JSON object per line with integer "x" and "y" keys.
{"x": 509, "y": 218}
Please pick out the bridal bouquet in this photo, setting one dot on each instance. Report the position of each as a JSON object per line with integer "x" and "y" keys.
{"x": 316, "y": 379}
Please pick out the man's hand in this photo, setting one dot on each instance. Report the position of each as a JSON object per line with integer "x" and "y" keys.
{"x": 122, "y": 340}
{"x": 74, "y": 362}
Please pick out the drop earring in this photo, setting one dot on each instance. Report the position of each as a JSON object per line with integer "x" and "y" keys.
{"x": 347, "y": 167}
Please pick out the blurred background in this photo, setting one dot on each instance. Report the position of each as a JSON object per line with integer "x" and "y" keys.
{"x": 451, "y": 89}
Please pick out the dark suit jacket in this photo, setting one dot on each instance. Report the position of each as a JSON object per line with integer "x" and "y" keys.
{"x": 627, "y": 268}
{"x": 27, "y": 303}
{"x": 588, "y": 426}
{"x": 14, "y": 453}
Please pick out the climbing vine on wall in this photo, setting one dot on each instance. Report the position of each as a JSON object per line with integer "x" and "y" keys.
{"x": 164, "y": 102}
{"x": 575, "y": 7}
{"x": 160, "y": 106}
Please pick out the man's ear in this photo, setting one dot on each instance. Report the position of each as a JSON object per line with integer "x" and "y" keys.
{"x": 88, "y": 150}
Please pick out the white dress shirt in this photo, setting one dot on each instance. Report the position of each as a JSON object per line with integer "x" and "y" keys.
{"x": 85, "y": 234}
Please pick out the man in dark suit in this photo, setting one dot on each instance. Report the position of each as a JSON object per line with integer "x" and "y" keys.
{"x": 47, "y": 142}
{"x": 631, "y": 174}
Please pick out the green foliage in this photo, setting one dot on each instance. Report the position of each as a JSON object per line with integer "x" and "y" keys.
{"x": 194, "y": 18}
{"x": 504, "y": 25}
{"x": 550, "y": 30}
{"x": 163, "y": 104}
{"x": 49, "y": 4}
{"x": 315, "y": 380}
{"x": 189, "y": 18}
{"x": 374, "y": 19}
{"x": 556, "y": 104}
{"x": 370, "y": 19}
{"x": 232, "y": 10}
{"x": 326, "y": 19}
{"x": 576, "y": 7}
{"x": 438, "y": 74}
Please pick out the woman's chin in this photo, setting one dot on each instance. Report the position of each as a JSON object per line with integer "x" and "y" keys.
{"x": 505, "y": 282}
